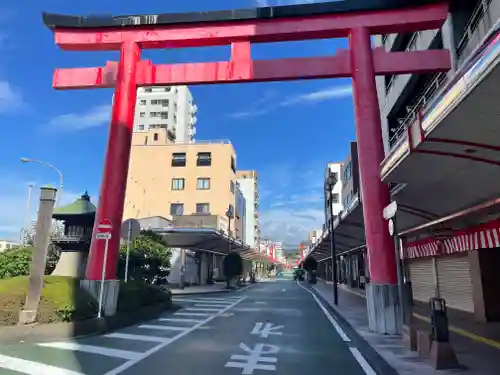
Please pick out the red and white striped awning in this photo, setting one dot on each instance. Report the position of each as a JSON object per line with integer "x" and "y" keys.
{"x": 485, "y": 236}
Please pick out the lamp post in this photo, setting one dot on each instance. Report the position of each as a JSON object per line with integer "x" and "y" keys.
{"x": 59, "y": 193}
{"x": 329, "y": 184}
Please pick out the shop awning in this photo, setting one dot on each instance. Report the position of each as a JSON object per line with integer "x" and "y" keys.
{"x": 349, "y": 233}
{"x": 209, "y": 240}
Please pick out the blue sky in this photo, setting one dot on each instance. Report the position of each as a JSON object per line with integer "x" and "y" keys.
{"x": 285, "y": 131}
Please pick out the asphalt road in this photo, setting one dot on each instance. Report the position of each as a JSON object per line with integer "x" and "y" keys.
{"x": 274, "y": 328}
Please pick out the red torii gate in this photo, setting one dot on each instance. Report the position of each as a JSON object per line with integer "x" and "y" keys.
{"x": 357, "y": 20}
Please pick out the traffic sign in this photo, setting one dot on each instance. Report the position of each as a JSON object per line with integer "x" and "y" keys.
{"x": 130, "y": 229}
{"x": 103, "y": 236}
{"x": 105, "y": 226}
{"x": 390, "y": 210}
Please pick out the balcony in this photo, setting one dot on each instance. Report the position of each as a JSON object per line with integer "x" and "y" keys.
{"x": 71, "y": 238}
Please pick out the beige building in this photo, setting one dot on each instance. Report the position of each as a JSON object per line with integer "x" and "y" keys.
{"x": 172, "y": 180}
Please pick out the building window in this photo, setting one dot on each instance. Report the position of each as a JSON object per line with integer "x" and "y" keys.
{"x": 176, "y": 209}
{"x": 348, "y": 172}
{"x": 202, "y": 208}
{"x": 175, "y": 119}
{"x": 155, "y": 102}
{"x": 335, "y": 198}
{"x": 167, "y": 89}
{"x": 142, "y": 114}
{"x": 142, "y": 102}
{"x": 141, "y": 127}
{"x": 179, "y": 159}
{"x": 233, "y": 164}
{"x": 164, "y": 115}
{"x": 164, "y": 102}
{"x": 177, "y": 184}
{"x": 203, "y": 183}
{"x": 204, "y": 159}
{"x": 155, "y": 136}
{"x": 148, "y": 89}
{"x": 231, "y": 187}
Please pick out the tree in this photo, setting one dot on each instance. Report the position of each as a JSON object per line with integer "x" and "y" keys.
{"x": 17, "y": 261}
{"x": 233, "y": 266}
{"x": 149, "y": 259}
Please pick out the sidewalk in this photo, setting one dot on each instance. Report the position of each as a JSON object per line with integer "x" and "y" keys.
{"x": 478, "y": 358}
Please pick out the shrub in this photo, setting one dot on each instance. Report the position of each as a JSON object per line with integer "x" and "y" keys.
{"x": 233, "y": 266}
{"x": 17, "y": 261}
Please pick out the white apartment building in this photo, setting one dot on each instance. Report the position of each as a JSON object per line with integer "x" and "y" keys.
{"x": 248, "y": 181}
{"x": 337, "y": 206}
{"x": 167, "y": 107}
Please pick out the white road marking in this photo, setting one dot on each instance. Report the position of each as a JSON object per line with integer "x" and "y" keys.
{"x": 163, "y": 328}
{"x": 151, "y": 351}
{"x": 210, "y": 305}
{"x": 200, "y": 309}
{"x": 32, "y": 368}
{"x": 127, "y": 336}
{"x": 329, "y": 316}
{"x": 185, "y": 320}
{"x": 362, "y": 361}
{"x": 117, "y": 353}
{"x": 244, "y": 288}
{"x": 199, "y": 300}
{"x": 192, "y": 314}
{"x": 255, "y": 359}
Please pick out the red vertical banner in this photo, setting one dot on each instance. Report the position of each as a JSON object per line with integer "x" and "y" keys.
{"x": 301, "y": 252}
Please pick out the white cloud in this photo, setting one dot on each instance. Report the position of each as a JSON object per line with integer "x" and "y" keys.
{"x": 334, "y": 92}
{"x": 293, "y": 204}
{"x": 290, "y": 225}
{"x": 263, "y": 107}
{"x": 94, "y": 117}
{"x": 13, "y": 200}
{"x": 10, "y": 98}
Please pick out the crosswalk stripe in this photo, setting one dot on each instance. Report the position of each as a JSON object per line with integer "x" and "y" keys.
{"x": 129, "y": 336}
{"x": 117, "y": 353}
{"x": 164, "y": 328}
{"x": 185, "y": 320}
{"x": 195, "y": 300}
{"x": 210, "y": 305}
{"x": 200, "y": 309}
{"x": 32, "y": 368}
{"x": 192, "y": 314}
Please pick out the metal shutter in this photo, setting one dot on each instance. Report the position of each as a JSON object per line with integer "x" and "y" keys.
{"x": 422, "y": 279}
{"x": 454, "y": 281}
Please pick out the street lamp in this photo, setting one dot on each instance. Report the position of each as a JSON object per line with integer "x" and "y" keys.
{"x": 330, "y": 182}
{"x": 59, "y": 193}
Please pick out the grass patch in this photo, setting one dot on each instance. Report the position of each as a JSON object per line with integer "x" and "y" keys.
{"x": 63, "y": 300}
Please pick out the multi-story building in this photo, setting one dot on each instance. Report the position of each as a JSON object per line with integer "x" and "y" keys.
{"x": 240, "y": 215}
{"x": 166, "y": 107}
{"x": 439, "y": 131}
{"x": 350, "y": 177}
{"x": 169, "y": 180}
{"x": 248, "y": 182}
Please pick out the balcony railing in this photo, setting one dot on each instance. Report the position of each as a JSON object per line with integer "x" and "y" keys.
{"x": 437, "y": 84}
{"x": 71, "y": 237}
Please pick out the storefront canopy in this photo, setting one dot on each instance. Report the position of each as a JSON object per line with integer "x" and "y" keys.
{"x": 349, "y": 233}
{"x": 209, "y": 240}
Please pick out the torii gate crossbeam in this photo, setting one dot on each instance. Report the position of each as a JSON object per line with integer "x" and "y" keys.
{"x": 355, "y": 19}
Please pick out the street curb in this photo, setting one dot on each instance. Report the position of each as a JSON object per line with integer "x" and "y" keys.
{"x": 89, "y": 327}
{"x": 376, "y": 361}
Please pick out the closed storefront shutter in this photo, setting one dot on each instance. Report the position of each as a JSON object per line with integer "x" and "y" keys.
{"x": 422, "y": 279}
{"x": 454, "y": 282}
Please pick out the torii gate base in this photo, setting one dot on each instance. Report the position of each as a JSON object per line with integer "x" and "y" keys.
{"x": 313, "y": 21}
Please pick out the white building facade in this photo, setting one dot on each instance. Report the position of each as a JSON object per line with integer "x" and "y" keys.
{"x": 336, "y": 205}
{"x": 166, "y": 107}
{"x": 250, "y": 189}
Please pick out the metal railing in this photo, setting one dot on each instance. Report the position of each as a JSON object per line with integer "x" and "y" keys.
{"x": 426, "y": 95}
{"x": 71, "y": 237}
{"x": 471, "y": 26}
{"x": 412, "y": 46}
